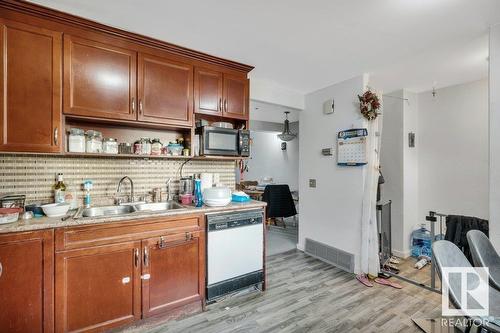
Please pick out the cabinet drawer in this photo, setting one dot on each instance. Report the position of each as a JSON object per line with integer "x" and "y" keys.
{"x": 114, "y": 232}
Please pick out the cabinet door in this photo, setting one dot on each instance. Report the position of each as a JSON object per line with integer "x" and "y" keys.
{"x": 176, "y": 272}
{"x": 235, "y": 97}
{"x": 26, "y": 279}
{"x": 30, "y": 83}
{"x": 165, "y": 91}
{"x": 99, "y": 79}
{"x": 208, "y": 92}
{"x": 98, "y": 288}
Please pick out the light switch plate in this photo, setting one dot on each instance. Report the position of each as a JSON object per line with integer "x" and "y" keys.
{"x": 312, "y": 182}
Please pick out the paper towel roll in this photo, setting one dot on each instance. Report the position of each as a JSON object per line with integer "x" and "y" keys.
{"x": 207, "y": 180}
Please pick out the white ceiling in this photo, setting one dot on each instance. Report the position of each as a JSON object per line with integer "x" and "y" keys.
{"x": 271, "y": 112}
{"x": 307, "y": 45}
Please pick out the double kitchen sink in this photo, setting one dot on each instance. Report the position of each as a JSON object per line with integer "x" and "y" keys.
{"x": 106, "y": 211}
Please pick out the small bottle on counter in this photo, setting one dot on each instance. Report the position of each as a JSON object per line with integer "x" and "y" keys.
{"x": 87, "y": 186}
{"x": 198, "y": 198}
{"x": 59, "y": 189}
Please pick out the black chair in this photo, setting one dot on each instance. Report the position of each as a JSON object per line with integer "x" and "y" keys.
{"x": 279, "y": 202}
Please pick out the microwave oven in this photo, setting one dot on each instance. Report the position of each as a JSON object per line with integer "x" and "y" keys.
{"x": 223, "y": 141}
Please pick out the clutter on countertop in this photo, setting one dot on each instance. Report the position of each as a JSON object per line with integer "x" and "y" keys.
{"x": 217, "y": 196}
{"x": 9, "y": 215}
{"x": 240, "y": 196}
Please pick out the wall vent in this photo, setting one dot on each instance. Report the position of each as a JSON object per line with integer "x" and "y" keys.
{"x": 331, "y": 255}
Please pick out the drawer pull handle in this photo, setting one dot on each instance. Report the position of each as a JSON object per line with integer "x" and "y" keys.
{"x": 133, "y": 105}
{"x": 1, "y": 269}
{"x": 56, "y": 136}
{"x": 126, "y": 280}
{"x": 145, "y": 277}
{"x": 146, "y": 256}
{"x": 136, "y": 257}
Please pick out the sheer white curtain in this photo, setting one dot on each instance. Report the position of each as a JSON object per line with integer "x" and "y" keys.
{"x": 369, "y": 235}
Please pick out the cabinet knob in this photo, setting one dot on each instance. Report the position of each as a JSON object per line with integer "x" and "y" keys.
{"x": 56, "y": 135}
{"x": 145, "y": 277}
{"x": 220, "y": 104}
{"x": 126, "y": 280}
{"x": 133, "y": 105}
{"x": 1, "y": 269}
{"x": 225, "y": 105}
{"x": 140, "y": 106}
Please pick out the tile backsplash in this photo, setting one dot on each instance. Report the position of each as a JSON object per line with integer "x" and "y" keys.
{"x": 34, "y": 175}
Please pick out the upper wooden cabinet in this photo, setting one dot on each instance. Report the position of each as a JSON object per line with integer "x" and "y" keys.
{"x": 26, "y": 282}
{"x": 99, "y": 79}
{"x": 208, "y": 91}
{"x": 165, "y": 90}
{"x": 30, "y": 83}
{"x": 221, "y": 94}
{"x": 236, "y": 98}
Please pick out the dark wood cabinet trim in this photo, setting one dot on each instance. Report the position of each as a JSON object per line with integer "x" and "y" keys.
{"x": 76, "y": 21}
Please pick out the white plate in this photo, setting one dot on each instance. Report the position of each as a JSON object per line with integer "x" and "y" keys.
{"x": 217, "y": 203}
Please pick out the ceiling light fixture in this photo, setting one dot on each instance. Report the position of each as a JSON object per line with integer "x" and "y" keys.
{"x": 286, "y": 135}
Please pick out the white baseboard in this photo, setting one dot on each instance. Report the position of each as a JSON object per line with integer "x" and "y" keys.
{"x": 300, "y": 247}
{"x": 401, "y": 254}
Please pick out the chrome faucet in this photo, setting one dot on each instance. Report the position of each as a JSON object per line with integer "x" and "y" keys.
{"x": 131, "y": 199}
{"x": 169, "y": 180}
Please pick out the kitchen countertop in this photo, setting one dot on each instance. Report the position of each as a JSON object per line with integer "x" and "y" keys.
{"x": 55, "y": 222}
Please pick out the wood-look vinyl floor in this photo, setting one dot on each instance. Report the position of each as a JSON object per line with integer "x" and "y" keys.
{"x": 308, "y": 295}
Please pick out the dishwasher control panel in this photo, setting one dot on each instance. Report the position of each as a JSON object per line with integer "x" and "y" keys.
{"x": 234, "y": 220}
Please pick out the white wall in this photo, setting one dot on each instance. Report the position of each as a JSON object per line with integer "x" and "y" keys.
{"x": 411, "y": 179}
{"x": 453, "y": 150}
{"x": 391, "y": 162}
{"x": 331, "y": 212}
{"x": 494, "y": 136}
{"x": 268, "y": 160}
{"x": 400, "y": 166}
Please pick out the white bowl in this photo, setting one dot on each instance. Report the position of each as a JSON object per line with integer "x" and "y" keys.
{"x": 55, "y": 209}
{"x": 217, "y": 202}
{"x": 216, "y": 193}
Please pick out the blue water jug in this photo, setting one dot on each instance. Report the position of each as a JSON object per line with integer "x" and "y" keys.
{"x": 421, "y": 242}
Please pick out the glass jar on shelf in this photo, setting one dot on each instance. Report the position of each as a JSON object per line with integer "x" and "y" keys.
{"x": 156, "y": 147}
{"x": 110, "y": 146}
{"x": 145, "y": 146}
{"x": 76, "y": 140}
{"x": 93, "y": 143}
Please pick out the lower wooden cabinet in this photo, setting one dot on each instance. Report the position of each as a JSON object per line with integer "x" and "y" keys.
{"x": 26, "y": 282}
{"x": 98, "y": 287}
{"x": 174, "y": 268}
{"x": 122, "y": 272}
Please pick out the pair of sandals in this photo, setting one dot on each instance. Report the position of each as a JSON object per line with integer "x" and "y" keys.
{"x": 363, "y": 278}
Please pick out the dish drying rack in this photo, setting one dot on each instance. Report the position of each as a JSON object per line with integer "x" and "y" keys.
{"x": 12, "y": 201}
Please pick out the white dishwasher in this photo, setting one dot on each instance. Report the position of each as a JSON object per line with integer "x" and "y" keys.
{"x": 235, "y": 250}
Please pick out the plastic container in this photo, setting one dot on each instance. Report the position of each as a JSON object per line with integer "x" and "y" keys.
{"x": 76, "y": 140}
{"x": 9, "y": 215}
{"x": 186, "y": 199}
{"x": 175, "y": 149}
{"x": 421, "y": 242}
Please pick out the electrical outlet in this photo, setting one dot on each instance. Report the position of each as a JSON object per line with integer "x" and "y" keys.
{"x": 312, "y": 182}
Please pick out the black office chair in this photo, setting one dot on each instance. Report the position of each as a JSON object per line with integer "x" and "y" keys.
{"x": 279, "y": 202}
